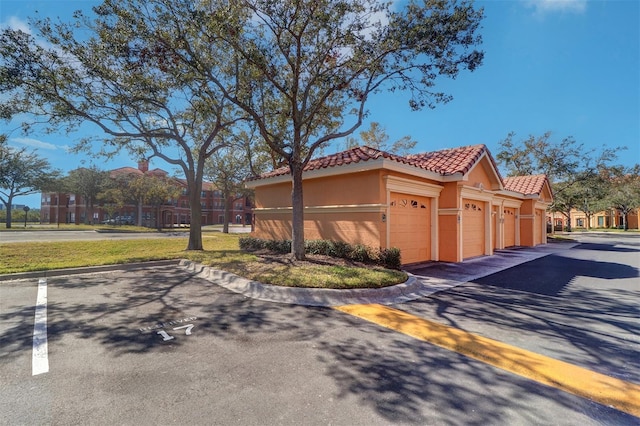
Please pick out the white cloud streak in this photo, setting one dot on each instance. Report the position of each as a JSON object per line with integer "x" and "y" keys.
{"x": 35, "y": 143}
{"x": 551, "y": 6}
{"x": 16, "y": 23}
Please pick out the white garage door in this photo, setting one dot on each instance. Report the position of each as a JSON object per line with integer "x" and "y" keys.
{"x": 410, "y": 226}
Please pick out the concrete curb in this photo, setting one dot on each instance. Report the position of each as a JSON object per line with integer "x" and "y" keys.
{"x": 411, "y": 289}
{"x": 423, "y": 280}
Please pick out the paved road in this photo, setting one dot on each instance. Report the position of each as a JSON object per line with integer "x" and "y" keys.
{"x": 121, "y": 349}
{"x": 53, "y": 235}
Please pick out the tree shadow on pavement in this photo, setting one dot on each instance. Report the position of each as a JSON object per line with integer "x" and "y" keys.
{"x": 401, "y": 379}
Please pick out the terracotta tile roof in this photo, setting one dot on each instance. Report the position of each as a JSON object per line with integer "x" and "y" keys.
{"x": 451, "y": 161}
{"x": 125, "y": 171}
{"x": 445, "y": 162}
{"x": 350, "y": 156}
{"x": 527, "y": 185}
{"x": 134, "y": 171}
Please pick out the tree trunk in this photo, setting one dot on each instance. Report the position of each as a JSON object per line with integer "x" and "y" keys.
{"x": 8, "y": 206}
{"x": 227, "y": 212}
{"x": 195, "y": 227}
{"x": 139, "y": 218}
{"x": 297, "y": 202}
{"x": 194, "y": 182}
{"x": 159, "y": 218}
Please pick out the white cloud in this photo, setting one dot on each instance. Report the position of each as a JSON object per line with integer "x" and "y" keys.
{"x": 16, "y": 23}
{"x": 550, "y": 6}
{"x": 35, "y": 143}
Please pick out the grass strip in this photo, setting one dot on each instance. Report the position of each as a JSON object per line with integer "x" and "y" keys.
{"x": 221, "y": 251}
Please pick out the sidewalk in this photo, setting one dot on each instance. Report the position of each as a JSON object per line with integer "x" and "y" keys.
{"x": 424, "y": 279}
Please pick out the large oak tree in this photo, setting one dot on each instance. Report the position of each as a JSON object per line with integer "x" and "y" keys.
{"x": 118, "y": 68}
{"x": 305, "y": 69}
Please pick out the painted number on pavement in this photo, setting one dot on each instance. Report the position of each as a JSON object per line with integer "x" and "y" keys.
{"x": 166, "y": 336}
{"x": 161, "y": 328}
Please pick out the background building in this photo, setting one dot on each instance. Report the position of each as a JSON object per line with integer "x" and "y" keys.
{"x": 58, "y": 207}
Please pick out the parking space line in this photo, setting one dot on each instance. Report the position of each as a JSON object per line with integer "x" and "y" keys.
{"x": 40, "y": 354}
{"x": 606, "y": 390}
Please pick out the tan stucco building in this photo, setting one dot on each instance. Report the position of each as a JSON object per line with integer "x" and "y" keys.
{"x": 446, "y": 205}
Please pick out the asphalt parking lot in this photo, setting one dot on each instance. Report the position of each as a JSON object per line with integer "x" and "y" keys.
{"x": 163, "y": 346}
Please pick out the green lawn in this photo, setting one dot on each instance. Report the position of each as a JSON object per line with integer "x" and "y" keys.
{"x": 220, "y": 251}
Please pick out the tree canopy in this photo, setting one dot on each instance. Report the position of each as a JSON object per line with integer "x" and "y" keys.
{"x": 377, "y": 137}
{"x": 115, "y": 69}
{"x": 164, "y": 77}
{"x": 576, "y": 174}
{"x": 22, "y": 172}
{"x": 306, "y": 68}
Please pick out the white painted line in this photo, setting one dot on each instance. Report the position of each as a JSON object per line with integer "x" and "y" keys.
{"x": 40, "y": 357}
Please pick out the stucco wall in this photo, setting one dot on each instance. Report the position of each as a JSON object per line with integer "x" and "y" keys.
{"x": 355, "y": 228}
{"x": 341, "y": 208}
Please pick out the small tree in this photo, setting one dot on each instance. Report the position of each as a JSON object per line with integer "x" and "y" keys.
{"x": 155, "y": 191}
{"x": 22, "y": 172}
{"x": 376, "y": 137}
{"x": 590, "y": 194}
{"x": 88, "y": 183}
{"x": 624, "y": 195}
{"x": 228, "y": 168}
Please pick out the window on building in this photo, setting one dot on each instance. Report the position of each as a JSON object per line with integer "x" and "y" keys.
{"x": 601, "y": 221}
{"x": 238, "y": 219}
{"x": 580, "y": 222}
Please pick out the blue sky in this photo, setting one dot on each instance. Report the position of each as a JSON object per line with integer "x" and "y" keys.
{"x": 571, "y": 67}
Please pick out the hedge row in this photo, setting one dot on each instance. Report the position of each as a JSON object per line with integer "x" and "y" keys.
{"x": 389, "y": 258}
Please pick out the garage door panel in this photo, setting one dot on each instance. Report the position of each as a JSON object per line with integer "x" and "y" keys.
{"x": 410, "y": 226}
{"x": 473, "y": 228}
{"x": 537, "y": 227}
{"x": 509, "y": 215}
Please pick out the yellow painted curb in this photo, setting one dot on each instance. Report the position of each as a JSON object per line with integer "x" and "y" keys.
{"x": 622, "y": 395}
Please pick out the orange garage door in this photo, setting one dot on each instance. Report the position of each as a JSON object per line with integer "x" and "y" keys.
{"x": 473, "y": 228}
{"x": 537, "y": 227}
{"x": 509, "y": 227}
{"x": 410, "y": 226}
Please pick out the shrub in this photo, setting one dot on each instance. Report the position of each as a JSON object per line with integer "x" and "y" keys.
{"x": 361, "y": 253}
{"x": 251, "y": 243}
{"x": 339, "y": 249}
{"x": 320, "y": 247}
{"x": 281, "y": 246}
{"x": 388, "y": 258}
